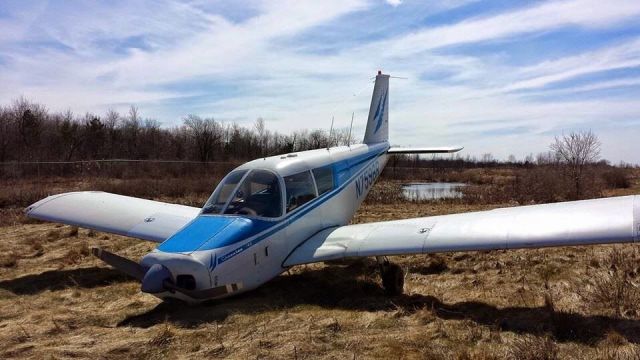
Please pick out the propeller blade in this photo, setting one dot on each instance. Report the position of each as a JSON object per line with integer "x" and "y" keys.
{"x": 125, "y": 265}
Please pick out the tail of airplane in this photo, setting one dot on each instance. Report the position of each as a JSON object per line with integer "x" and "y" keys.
{"x": 378, "y": 122}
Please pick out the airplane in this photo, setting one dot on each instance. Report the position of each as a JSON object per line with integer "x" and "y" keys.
{"x": 273, "y": 213}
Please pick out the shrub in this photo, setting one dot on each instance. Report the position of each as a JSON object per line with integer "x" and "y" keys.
{"x": 614, "y": 290}
{"x": 616, "y": 178}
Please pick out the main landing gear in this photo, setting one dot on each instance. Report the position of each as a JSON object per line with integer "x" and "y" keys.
{"x": 392, "y": 276}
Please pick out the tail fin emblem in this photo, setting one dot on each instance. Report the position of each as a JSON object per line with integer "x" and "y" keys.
{"x": 380, "y": 111}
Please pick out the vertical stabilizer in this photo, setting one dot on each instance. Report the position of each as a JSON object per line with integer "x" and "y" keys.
{"x": 378, "y": 122}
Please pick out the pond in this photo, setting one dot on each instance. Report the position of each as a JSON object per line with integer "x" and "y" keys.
{"x": 432, "y": 191}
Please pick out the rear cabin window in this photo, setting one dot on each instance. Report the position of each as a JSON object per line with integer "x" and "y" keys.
{"x": 324, "y": 179}
{"x": 300, "y": 190}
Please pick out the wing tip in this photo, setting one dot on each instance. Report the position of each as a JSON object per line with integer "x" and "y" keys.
{"x": 31, "y": 208}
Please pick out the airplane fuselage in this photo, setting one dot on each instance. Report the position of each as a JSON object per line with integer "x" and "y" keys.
{"x": 243, "y": 251}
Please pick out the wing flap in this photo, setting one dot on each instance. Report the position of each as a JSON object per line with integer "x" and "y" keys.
{"x": 112, "y": 213}
{"x": 600, "y": 221}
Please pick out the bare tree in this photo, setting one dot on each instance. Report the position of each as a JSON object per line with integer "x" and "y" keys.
{"x": 203, "y": 132}
{"x": 577, "y": 150}
{"x": 262, "y": 135}
{"x": 6, "y": 133}
{"x": 70, "y": 134}
{"x": 94, "y": 134}
{"x": 112, "y": 123}
{"x": 130, "y": 129}
{"x": 29, "y": 118}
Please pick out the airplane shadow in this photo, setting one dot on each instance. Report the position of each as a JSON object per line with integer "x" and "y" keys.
{"x": 61, "y": 279}
{"x": 341, "y": 288}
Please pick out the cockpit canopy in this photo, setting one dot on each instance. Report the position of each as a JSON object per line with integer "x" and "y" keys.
{"x": 259, "y": 192}
{"x": 247, "y": 192}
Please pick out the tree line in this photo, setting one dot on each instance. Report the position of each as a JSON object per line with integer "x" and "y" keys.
{"x": 30, "y": 132}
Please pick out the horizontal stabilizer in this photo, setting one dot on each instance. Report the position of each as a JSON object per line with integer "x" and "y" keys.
{"x": 424, "y": 150}
{"x": 587, "y": 222}
{"x": 112, "y": 213}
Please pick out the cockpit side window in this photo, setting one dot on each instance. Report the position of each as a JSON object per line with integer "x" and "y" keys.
{"x": 324, "y": 179}
{"x": 258, "y": 195}
{"x": 223, "y": 192}
{"x": 300, "y": 189}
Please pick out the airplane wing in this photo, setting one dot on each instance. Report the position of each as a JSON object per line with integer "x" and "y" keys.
{"x": 117, "y": 214}
{"x": 600, "y": 221}
{"x": 424, "y": 150}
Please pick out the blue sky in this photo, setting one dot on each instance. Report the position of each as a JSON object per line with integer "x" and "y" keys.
{"x": 500, "y": 77}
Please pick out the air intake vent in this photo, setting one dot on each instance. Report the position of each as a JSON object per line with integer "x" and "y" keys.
{"x": 186, "y": 282}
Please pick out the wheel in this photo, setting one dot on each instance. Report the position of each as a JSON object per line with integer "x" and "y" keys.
{"x": 392, "y": 279}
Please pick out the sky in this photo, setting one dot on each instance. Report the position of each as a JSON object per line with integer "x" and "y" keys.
{"x": 500, "y": 77}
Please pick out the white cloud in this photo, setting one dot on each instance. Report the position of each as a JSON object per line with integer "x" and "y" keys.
{"x": 543, "y": 17}
{"x": 604, "y": 85}
{"x": 625, "y": 55}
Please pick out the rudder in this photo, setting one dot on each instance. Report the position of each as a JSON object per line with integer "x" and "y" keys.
{"x": 378, "y": 121}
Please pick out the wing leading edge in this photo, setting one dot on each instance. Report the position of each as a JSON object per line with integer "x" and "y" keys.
{"x": 600, "y": 221}
{"x": 117, "y": 214}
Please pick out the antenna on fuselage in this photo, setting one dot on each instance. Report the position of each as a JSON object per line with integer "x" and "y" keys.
{"x": 330, "y": 132}
{"x": 350, "y": 127}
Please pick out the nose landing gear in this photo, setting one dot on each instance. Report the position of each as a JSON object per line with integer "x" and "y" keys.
{"x": 392, "y": 276}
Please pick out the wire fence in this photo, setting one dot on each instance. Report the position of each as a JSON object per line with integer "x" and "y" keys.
{"x": 113, "y": 168}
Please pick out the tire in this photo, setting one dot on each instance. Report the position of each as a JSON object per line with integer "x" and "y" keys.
{"x": 393, "y": 280}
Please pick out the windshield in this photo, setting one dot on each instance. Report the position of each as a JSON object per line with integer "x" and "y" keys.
{"x": 221, "y": 195}
{"x": 257, "y": 195}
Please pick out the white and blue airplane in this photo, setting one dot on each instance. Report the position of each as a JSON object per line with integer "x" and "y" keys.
{"x": 277, "y": 212}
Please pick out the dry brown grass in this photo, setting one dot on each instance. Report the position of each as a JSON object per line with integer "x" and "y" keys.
{"x": 614, "y": 289}
{"x": 56, "y": 301}
{"x": 533, "y": 348}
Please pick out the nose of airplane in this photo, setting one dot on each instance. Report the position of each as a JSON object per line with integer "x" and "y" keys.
{"x": 170, "y": 275}
{"x": 171, "y": 271}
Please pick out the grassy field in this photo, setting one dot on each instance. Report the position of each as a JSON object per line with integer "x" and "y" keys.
{"x": 57, "y": 301}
